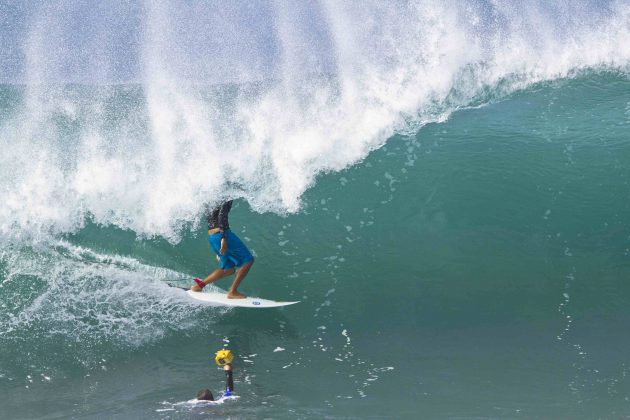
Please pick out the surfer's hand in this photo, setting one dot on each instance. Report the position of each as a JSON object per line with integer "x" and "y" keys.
{"x": 227, "y": 367}
{"x": 223, "y": 246}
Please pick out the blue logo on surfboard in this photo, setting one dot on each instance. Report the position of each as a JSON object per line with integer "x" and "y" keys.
{"x": 255, "y": 303}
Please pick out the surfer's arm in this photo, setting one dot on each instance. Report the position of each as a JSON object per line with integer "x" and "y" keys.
{"x": 229, "y": 382}
{"x": 224, "y": 209}
{"x": 222, "y": 219}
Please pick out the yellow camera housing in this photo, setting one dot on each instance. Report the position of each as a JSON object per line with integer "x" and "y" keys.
{"x": 224, "y": 357}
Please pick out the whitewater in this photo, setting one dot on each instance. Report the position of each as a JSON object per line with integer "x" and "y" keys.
{"x": 140, "y": 127}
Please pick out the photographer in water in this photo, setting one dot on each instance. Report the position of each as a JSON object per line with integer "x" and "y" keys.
{"x": 223, "y": 358}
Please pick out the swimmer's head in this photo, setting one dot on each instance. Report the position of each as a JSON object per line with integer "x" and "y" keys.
{"x": 205, "y": 395}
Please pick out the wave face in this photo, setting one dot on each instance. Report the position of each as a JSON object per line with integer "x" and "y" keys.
{"x": 138, "y": 115}
{"x": 489, "y": 248}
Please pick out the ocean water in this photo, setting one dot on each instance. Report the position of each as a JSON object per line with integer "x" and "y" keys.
{"x": 444, "y": 187}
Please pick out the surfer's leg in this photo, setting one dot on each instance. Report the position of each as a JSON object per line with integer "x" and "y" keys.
{"x": 214, "y": 276}
{"x": 233, "y": 293}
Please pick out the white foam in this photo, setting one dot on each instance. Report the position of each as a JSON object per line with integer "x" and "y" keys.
{"x": 196, "y": 402}
{"x": 322, "y": 84}
{"x": 85, "y": 297}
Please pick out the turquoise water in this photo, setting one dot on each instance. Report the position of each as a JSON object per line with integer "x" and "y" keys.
{"x": 444, "y": 188}
{"x": 474, "y": 269}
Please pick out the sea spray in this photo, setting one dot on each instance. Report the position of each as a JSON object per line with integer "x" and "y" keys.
{"x": 251, "y": 100}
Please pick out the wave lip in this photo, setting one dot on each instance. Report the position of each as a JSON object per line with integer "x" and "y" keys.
{"x": 251, "y": 102}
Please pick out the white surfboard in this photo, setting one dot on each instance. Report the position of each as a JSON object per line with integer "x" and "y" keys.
{"x": 221, "y": 299}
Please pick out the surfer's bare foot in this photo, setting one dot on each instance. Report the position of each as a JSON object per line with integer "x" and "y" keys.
{"x": 235, "y": 295}
{"x": 195, "y": 288}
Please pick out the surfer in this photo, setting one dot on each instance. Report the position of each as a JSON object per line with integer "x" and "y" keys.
{"x": 223, "y": 358}
{"x": 231, "y": 252}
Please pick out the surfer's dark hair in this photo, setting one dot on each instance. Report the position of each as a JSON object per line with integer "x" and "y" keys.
{"x": 205, "y": 394}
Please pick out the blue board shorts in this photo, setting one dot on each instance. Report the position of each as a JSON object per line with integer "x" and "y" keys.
{"x": 237, "y": 253}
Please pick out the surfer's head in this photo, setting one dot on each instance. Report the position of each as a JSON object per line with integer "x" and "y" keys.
{"x": 205, "y": 395}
